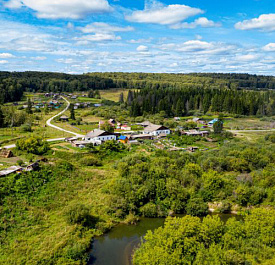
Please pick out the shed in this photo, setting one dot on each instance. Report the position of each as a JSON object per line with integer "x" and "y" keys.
{"x": 64, "y": 118}
{"x": 123, "y": 139}
{"x": 5, "y": 153}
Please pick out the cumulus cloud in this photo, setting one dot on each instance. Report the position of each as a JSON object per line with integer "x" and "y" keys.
{"x": 247, "y": 57}
{"x": 3, "y": 61}
{"x": 200, "y": 22}
{"x": 157, "y": 13}
{"x": 199, "y": 47}
{"x": 6, "y": 55}
{"x": 269, "y": 47}
{"x": 142, "y": 48}
{"x": 73, "y": 9}
{"x": 84, "y": 40}
{"x": 99, "y": 27}
{"x": 265, "y": 22}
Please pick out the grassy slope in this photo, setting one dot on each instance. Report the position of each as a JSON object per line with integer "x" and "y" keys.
{"x": 43, "y": 233}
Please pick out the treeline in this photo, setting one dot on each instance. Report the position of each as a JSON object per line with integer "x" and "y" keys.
{"x": 13, "y": 84}
{"x": 180, "y": 102}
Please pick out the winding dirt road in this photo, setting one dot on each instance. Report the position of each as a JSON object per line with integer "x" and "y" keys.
{"x": 48, "y": 122}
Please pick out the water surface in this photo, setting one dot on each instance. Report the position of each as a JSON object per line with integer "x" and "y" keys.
{"x": 116, "y": 247}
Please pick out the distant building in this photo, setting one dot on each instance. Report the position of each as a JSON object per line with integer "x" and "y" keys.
{"x": 212, "y": 122}
{"x": 64, "y": 118}
{"x": 112, "y": 122}
{"x": 6, "y": 153}
{"x": 10, "y": 170}
{"x": 98, "y": 136}
{"x": 196, "y": 133}
{"x": 123, "y": 139}
{"x": 125, "y": 127}
{"x": 80, "y": 144}
{"x": 145, "y": 124}
{"x": 156, "y": 130}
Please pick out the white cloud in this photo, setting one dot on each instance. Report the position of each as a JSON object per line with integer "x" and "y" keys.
{"x": 200, "y": 22}
{"x": 265, "y": 22}
{"x": 269, "y": 47}
{"x": 247, "y": 57}
{"x": 54, "y": 9}
{"x": 14, "y": 4}
{"x": 97, "y": 37}
{"x": 3, "y": 61}
{"x": 6, "y": 55}
{"x": 142, "y": 48}
{"x": 100, "y": 27}
{"x": 198, "y": 47}
{"x": 39, "y": 58}
{"x": 158, "y": 13}
{"x": 140, "y": 41}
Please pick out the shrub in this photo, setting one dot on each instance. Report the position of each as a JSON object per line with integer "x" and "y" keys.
{"x": 20, "y": 162}
{"x": 33, "y": 145}
{"x": 80, "y": 214}
{"x": 270, "y": 137}
{"x": 26, "y": 128}
{"x": 65, "y": 165}
{"x": 197, "y": 207}
{"x": 112, "y": 146}
{"x": 149, "y": 210}
{"x": 90, "y": 161}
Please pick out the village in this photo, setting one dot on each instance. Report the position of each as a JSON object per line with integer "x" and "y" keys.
{"x": 124, "y": 134}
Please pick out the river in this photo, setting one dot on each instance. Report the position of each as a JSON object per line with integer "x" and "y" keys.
{"x": 116, "y": 247}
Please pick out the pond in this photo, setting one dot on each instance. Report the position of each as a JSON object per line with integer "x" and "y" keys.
{"x": 116, "y": 247}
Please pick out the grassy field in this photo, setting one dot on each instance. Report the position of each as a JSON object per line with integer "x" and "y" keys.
{"x": 114, "y": 94}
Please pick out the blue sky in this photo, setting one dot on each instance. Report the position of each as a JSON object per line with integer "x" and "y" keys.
{"x": 173, "y": 36}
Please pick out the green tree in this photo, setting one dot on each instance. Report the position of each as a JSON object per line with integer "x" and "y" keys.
{"x": 33, "y": 145}
{"x": 29, "y": 107}
{"x": 72, "y": 113}
{"x": 121, "y": 98}
{"x": 218, "y": 126}
{"x": 2, "y": 118}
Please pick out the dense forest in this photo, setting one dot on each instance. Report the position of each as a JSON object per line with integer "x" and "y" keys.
{"x": 180, "y": 102}
{"x": 13, "y": 84}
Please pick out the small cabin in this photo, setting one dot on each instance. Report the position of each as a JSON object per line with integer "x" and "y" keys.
{"x": 64, "y": 118}
{"x": 123, "y": 139}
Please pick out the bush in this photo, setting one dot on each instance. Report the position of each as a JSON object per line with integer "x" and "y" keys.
{"x": 90, "y": 161}
{"x": 33, "y": 145}
{"x": 112, "y": 146}
{"x": 270, "y": 137}
{"x": 149, "y": 210}
{"x": 20, "y": 162}
{"x": 197, "y": 207}
{"x": 65, "y": 165}
{"x": 26, "y": 128}
{"x": 80, "y": 214}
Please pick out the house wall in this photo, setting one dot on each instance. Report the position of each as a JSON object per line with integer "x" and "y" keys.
{"x": 156, "y": 133}
{"x": 101, "y": 138}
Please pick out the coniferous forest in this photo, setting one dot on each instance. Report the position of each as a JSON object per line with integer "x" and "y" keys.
{"x": 13, "y": 84}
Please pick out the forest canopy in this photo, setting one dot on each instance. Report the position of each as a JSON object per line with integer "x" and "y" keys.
{"x": 13, "y": 84}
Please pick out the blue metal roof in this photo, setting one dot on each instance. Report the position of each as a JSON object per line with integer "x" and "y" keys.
{"x": 122, "y": 137}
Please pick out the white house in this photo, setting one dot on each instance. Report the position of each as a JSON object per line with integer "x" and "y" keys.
{"x": 156, "y": 130}
{"x": 98, "y": 136}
